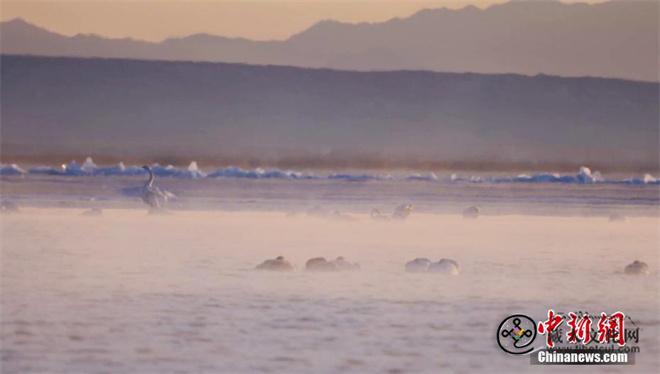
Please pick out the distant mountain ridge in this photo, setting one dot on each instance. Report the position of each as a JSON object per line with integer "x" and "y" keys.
{"x": 615, "y": 39}
{"x": 132, "y": 109}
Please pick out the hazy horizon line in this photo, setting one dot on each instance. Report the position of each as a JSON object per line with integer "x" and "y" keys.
{"x": 466, "y": 72}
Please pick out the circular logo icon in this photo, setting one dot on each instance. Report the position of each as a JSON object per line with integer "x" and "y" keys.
{"x": 516, "y": 334}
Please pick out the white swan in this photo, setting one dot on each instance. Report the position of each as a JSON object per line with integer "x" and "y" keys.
{"x": 321, "y": 264}
{"x": 377, "y": 215}
{"x": 400, "y": 213}
{"x": 424, "y": 265}
{"x": 343, "y": 265}
{"x": 418, "y": 265}
{"x": 471, "y": 212}
{"x": 637, "y": 268}
{"x": 277, "y": 264}
{"x": 152, "y": 195}
{"x": 445, "y": 266}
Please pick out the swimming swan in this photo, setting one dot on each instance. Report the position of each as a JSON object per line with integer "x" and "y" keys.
{"x": 321, "y": 264}
{"x": 471, "y": 212}
{"x": 400, "y": 213}
{"x": 445, "y": 266}
{"x": 418, "y": 265}
{"x": 424, "y": 265}
{"x": 277, "y": 264}
{"x": 637, "y": 268}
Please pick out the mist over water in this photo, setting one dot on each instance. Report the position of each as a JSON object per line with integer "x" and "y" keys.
{"x": 290, "y": 191}
{"x": 508, "y": 190}
{"x": 126, "y": 291}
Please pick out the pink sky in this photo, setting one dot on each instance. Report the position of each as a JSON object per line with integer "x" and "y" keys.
{"x": 155, "y": 20}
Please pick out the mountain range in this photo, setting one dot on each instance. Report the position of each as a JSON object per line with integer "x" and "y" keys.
{"x": 57, "y": 107}
{"x": 616, "y": 39}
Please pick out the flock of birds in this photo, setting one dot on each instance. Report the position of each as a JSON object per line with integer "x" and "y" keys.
{"x": 418, "y": 265}
{"x": 313, "y": 264}
{"x": 156, "y": 198}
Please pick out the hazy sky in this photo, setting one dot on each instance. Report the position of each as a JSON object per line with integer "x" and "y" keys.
{"x": 254, "y": 19}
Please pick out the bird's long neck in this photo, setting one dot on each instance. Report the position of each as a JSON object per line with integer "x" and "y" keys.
{"x": 151, "y": 179}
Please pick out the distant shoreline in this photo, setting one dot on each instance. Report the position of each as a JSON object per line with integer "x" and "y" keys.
{"x": 334, "y": 163}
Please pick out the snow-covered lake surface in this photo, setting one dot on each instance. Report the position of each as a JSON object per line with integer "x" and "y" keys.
{"x": 126, "y": 291}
